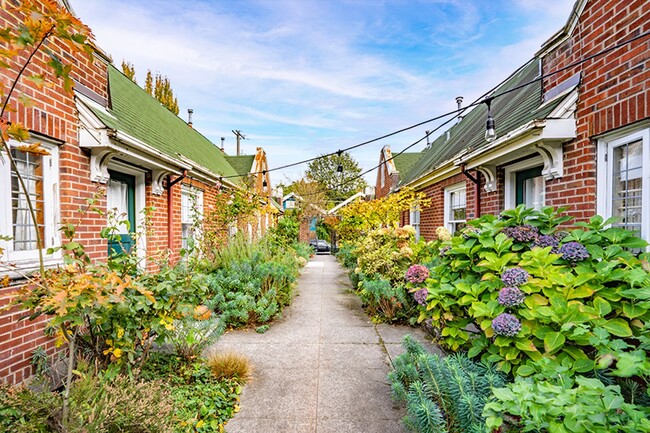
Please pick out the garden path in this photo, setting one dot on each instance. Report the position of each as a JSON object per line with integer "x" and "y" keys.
{"x": 323, "y": 367}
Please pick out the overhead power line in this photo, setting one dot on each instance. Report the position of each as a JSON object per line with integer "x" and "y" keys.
{"x": 456, "y": 112}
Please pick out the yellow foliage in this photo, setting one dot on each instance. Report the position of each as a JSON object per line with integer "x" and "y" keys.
{"x": 359, "y": 218}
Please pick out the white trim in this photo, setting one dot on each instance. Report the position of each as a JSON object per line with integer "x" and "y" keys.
{"x": 23, "y": 262}
{"x": 449, "y": 224}
{"x": 140, "y": 204}
{"x": 510, "y": 181}
{"x": 606, "y": 145}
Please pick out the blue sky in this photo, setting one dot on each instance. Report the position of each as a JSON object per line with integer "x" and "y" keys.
{"x": 306, "y": 77}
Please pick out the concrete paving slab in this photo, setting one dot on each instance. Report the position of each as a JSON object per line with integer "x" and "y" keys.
{"x": 321, "y": 368}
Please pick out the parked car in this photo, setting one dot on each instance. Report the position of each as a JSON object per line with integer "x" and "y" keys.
{"x": 320, "y": 246}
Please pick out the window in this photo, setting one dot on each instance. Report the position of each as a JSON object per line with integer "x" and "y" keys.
{"x": 524, "y": 184}
{"x": 40, "y": 176}
{"x": 455, "y": 206}
{"x": 414, "y": 219}
{"x": 624, "y": 171}
{"x": 191, "y": 213}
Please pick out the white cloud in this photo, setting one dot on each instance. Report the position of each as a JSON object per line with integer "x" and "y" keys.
{"x": 312, "y": 76}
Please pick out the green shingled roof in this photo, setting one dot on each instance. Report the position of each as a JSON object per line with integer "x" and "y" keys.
{"x": 510, "y": 111}
{"x": 405, "y": 161}
{"x": 139, "y": 115}
{"x": 242, "y": 164}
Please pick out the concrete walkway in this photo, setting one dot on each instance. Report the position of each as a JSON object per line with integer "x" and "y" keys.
{"x": 322, "y": 368}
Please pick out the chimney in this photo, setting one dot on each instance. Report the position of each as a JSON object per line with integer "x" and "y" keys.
{"x": 189, "y": 117}
{"x": 459, "y": 102}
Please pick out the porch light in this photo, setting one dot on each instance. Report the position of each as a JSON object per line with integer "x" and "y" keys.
{"x": 490, "y": 131}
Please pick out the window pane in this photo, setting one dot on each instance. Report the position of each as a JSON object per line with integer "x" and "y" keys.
{"x": 30, "y": 168}
{"x": 534, "y": 192}
{"x": 628, "y": 185}
{"x": 117, "y": 198}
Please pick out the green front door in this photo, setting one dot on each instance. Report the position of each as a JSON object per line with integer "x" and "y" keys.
{"x": 120, "y": 198}
{"x": 530, "y": 187}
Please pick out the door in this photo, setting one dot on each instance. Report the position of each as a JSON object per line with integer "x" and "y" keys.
{"x": 120, "y": 198}
{"x": 530, "y": 188}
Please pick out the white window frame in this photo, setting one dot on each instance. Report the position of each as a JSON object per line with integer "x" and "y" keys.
{"x": 140, "y": 204}
{"x": 414, "y": 220}
{"x": 196, "y": 195}
{"x": 23, "y": 262}
{"x": 448, "y": 223}
{"x": 606, "y": 145}
{"x": 510, "y": 187}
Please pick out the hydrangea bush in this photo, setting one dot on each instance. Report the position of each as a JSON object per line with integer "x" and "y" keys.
{"x": 515, "y": 289}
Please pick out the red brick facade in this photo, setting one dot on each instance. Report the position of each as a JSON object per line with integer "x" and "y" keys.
{"x": 614, "y": 92}
{"x": 55, "y": 116}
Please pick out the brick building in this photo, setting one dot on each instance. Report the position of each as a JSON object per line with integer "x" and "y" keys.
{"x": 109, "y": 141}
{"x": 572, "y": 130}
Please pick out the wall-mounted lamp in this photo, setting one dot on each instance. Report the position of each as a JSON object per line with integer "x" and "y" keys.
{"x": 490, "y": 130}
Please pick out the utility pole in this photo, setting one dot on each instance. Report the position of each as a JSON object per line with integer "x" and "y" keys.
{"x": 240, "y": 137}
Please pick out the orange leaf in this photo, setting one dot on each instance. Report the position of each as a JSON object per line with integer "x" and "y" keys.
{"x": 34, "y": 149}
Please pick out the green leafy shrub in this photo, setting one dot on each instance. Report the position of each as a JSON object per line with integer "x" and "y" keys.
{"x": 557, "y": 400}
{"x": 254, "y": 288}
{"x": 201, "y": 402}
{"x": 386, "y": 253}
{"x": 583, "y": 291}
{"x": 384, "y": 301}
{"x": 191, "y": 336}
{"x": 442, "y": 394}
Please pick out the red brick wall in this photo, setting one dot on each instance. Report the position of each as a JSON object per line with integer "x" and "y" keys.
{"x": 614, "y": 91}
{"x": 433, "y": 216}
{"x": 382, "y": 171}
{"x": 53, "y": 114}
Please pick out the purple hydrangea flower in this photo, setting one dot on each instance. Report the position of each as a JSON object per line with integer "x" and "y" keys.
{"x": 511, "y": 296}
{"x": 524, "y": 233}
{"x": 416, "y": 274}
{"x": 514, "y": 277}
{"x": 544, "y": 241}
{"x": 506, "y": 324}
{"x": 421, "y": 296}
{"x": 573, "y": 252}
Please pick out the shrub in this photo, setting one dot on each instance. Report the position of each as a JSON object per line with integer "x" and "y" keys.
{"x": 500, "y": 291}
{"x": 191, "y": 336}
{"x": 23, "y": 410}
{"x": 229, "y": 365}
{"x": 384, "y": 301}
{"x": 201, "y": 402}
{"x": 441, "y": 394}
{"x": 556, "y": 400}
{"x": 254, "y": 288}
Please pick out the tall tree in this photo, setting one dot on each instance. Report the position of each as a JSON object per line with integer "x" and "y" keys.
{"x": 160, "y": 87}
{"x": 338, "y": 185}
{"x": 129, "y": 70}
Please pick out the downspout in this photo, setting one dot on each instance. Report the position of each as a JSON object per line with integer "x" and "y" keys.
{"x": 170, "y": 207}
{"x": 477, "y": 189}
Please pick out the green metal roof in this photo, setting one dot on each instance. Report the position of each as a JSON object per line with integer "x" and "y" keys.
{"x": 510, "y": 111}
{"x": 141, "y": 116}
{"x": 405, "y": 161}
